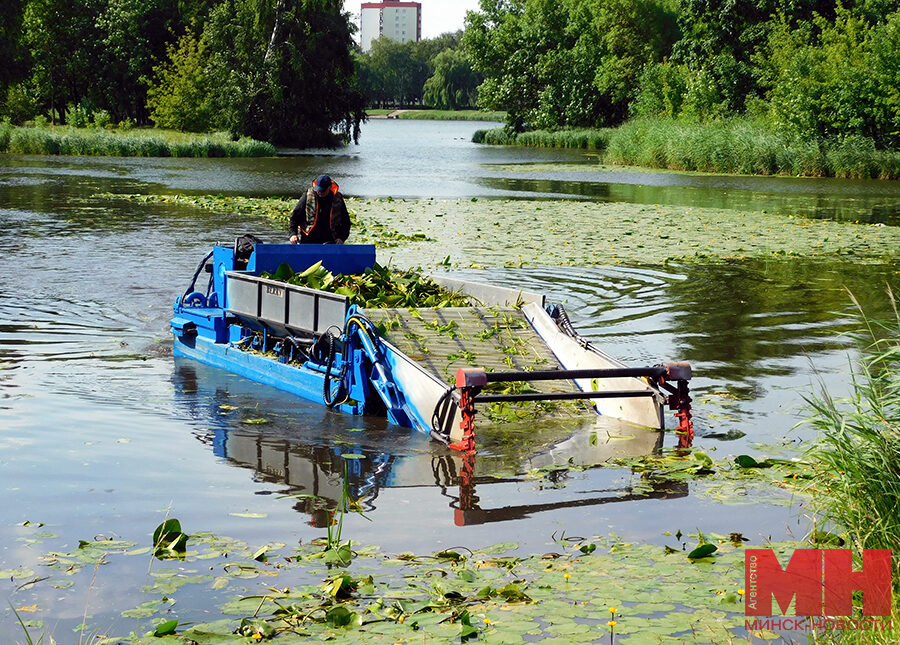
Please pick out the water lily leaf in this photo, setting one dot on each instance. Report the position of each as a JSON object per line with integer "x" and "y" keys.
{"x": 746, "y": 461}
{"x": 340, "y": 556}
{"x": 340, "y": 616}
{"x": 284, "y": 272}
{"x": 702, "y": 551}
{"x": 166, "y": 628}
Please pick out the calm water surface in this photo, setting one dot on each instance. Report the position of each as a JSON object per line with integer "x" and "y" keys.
{"x": 102, "y": 433}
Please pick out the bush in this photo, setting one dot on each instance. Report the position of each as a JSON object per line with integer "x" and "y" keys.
{"x": 21, "y": 103}
{"x": 78, "y": 116}
{"x": 102, "y": 118}
{"x": 178, "y": 97}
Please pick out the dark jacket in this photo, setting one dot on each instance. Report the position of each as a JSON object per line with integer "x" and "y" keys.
{"x": 324, "y": 221}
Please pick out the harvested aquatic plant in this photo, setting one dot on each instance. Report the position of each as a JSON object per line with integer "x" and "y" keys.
{"x": 376, "y": 288}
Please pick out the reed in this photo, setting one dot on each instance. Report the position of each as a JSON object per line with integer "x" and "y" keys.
{"x": 148, "y": 143}
{"x": 859, "y": 454}
{"x": 859, "y": 446}
{"x": 745, "y": 146}
{"x": 584, "y": 138}
{"x": 730, "y": 146}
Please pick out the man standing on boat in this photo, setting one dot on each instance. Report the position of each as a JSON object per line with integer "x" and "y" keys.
{"x": 320, "y": 216}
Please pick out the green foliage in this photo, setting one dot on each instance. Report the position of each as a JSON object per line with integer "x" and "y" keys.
{"x": 744, "y": 146}
{"x": 179, "y": 96}
{"x": 454, "y": 85}
{"x": 101, "y": 118}
{"x": 396, "y": 72}
{"x": 574, "y": 138}
{"x": 21, "y": 103}
{"x": 859, "y": 444}
{"x": 567, "y": 63}
{"x": 377, "y": 286}
{"x": 282, "y": 71}
{"x": 79, "y": 116}
{"x": 169, "y": 540}
{"x": 835, "y": 78}
{"x": 69, "y": 141}
{"x": 134, "y": 36}
{"x": 393, "y": 73}
{"x": 813, "y": 69}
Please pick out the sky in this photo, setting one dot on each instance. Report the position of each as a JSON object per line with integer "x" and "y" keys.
{"x": 438, "y": 16}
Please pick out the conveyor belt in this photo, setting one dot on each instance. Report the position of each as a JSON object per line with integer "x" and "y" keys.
{"x": 498, "y": 339}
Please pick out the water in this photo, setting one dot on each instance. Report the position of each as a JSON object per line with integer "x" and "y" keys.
{"x": 103, "y": 433}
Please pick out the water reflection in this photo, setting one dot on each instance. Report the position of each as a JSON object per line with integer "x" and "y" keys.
{"x": 864, "y": 201}
{"x": 310, "y": 463}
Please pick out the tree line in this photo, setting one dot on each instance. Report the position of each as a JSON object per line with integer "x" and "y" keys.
{"x": 288, "y": 71}
{"x": 814, "y": 68}
{"x": 277, "y": 70}
{"x": 285, "y": 71}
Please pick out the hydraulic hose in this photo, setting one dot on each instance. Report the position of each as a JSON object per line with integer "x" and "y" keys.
{"x": 197, "y": 273}
{"x": 326, "y": 387}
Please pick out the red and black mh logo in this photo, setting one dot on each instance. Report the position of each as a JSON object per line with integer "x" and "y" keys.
{"x": 823, "y": 582}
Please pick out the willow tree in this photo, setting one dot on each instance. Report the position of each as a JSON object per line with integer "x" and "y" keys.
{"x": 282, "y": 70}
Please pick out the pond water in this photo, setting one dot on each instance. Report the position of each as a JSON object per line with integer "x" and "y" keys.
{"x": 103, "y": 433}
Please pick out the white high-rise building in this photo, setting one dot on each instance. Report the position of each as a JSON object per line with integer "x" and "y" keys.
{"x": 400, "y": 21}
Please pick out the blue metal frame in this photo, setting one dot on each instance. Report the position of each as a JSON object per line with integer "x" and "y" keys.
{"x": 210, "y": 335}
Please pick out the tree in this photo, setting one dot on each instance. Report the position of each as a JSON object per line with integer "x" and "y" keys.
{"x": 179, "y": 96}
{"x": 63, "y": 41}
{"x": 281, "y": 70}
{"x": 553, "y": 63}
{"x": 454, "y": 84}
{"x": 399, "y": 69}
{"x": 833, "y": 79}
{"x": 135, "y": 35}
{"x": 12, "y": 63}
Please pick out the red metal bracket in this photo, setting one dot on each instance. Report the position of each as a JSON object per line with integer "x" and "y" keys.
{"x": 469, "y": 380}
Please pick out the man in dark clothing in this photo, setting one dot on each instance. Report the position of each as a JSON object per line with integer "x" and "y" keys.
{"x": 320, "y": 216}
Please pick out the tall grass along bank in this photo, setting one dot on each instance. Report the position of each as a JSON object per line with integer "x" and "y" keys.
{"x": 95, "y": 142}
{"x": 859, "y": 448}
{"x": 859, "y": 456}
{"x": 732, "y": 146}
{"x": 582, "y": 138}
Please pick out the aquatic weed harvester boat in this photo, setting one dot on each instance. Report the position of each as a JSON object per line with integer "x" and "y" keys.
{"x": 432, "y": 368}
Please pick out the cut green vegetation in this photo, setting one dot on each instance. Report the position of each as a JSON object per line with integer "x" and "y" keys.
{"x": 376, "y": 287}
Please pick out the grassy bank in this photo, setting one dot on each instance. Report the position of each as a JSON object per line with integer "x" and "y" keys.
{"x": 143, "y": 142}
{"x": 735, "y": 146}
{"x": 441, "y": 115}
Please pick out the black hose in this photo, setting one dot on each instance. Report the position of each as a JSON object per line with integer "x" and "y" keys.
{"x": 436, "y": 431}
{"x": 197, "y": 273}
{"x": 326, "y": 385}
{"x": 563, "y": 322}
